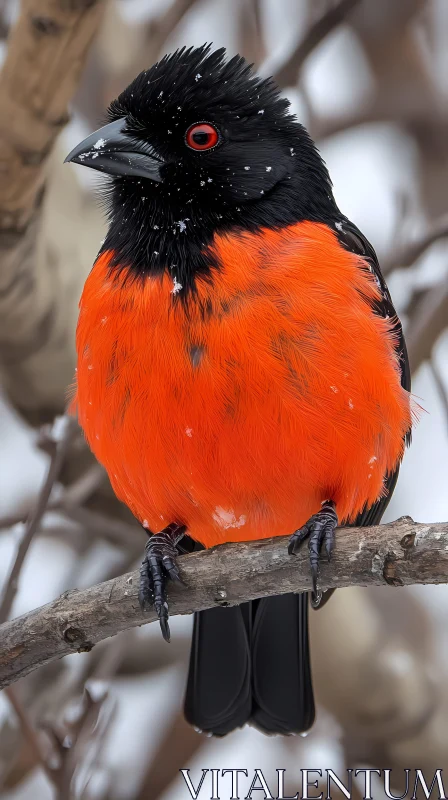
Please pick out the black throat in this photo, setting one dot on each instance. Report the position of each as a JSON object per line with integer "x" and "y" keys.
{"x": 152, "y": 230}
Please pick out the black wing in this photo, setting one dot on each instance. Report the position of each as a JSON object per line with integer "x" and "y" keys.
{"x": 353, "y": 240}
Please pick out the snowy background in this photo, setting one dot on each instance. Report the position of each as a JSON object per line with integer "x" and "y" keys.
{"x": 374, "y": 651}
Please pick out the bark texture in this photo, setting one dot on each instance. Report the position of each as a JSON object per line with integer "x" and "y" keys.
{"x": 46, "y": 54}
{"x": 397, "y": 554}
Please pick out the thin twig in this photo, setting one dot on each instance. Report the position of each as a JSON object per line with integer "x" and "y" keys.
{"x": 71, "y": 743}
{"x": 29, "y": 732}
{"x": 178, "y": 747}
{"x": 161, "y": 27}
{"x": 427, "y": 324}
{"x": 115, "y": 530}
{"x": 397, "y": 554}
{"x": 69, "y": 504}
{"x": 287, "y": 74}
{"x": 441, "y": 387}
{"x": 90, "y": 730}
{"x": 83, "y": 487}
{"x": 251, "y": 31}
{"x": 56, "y": 462}
{"x": 75, "y": 493}
{"x": 408, "y": 253}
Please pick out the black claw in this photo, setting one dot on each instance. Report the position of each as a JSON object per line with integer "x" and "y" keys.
{"x": 165, "y": 628}
{"x": 297, "y": 538}
{"x": 329, "y": 540}
{"x": 320, "y": 530}
{"x": 159, "y": 565}
{"x": 172, "y": 569}
{"x": 145, "y": 592}
{"x": 316, "y": 598}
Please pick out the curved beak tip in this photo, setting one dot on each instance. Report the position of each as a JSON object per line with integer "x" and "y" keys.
{"x": 113, "y": 152}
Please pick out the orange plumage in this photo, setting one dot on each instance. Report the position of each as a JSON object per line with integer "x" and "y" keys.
{"x": 237, "y": 414}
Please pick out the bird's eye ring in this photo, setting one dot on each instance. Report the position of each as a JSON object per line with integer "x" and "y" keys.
{"x": 202, "y": 136}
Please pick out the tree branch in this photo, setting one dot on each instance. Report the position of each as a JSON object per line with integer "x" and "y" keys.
{"x": 400, "y": 553}
{"x": 45, "y": 57}
{"x": 287, "y": 74}
{"x": 60, "y": 446}
{"x": 427, "y": 324}
{"x": 410, "y": 251}
{"x": 29, "y": 732}
{"x": 440, "y": 386}
{"x": 47, "y": 49}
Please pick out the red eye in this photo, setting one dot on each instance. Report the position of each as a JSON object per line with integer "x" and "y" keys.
{"x": 202, "y": 136}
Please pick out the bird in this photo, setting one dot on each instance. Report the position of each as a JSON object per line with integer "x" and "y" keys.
{"x": 241, "y": 370}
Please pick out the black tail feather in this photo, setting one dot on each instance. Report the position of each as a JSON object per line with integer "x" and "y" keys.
{"x": 251, "y": 664}
{"x": 218, "y": 697}
{"x": 283, "y": 699}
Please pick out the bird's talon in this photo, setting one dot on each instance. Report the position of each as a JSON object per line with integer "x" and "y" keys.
{"x": 316, "y": 598}
{"x": 314, "y": 578}
{"x": 165, "y": 628}
{"x": 320, "y": 529}
{"x": 172, "y": 569}
{"x": 159, "y": 566}
{"x": 297, "y": 539}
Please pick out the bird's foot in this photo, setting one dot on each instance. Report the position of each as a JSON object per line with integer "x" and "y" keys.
{"x": 158, "y": 566}
{"x": 319, "y": 530}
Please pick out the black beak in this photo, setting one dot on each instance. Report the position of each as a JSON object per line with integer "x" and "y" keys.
{"x": 114, "y": 152}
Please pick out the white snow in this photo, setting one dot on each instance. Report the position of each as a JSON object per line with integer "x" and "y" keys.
{"x": 227, "y": 519}
{"x": 176, "y": 286}
{"x": 99, "y": 144}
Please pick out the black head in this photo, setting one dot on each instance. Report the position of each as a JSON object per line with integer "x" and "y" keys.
{"x": 198, "y": 144}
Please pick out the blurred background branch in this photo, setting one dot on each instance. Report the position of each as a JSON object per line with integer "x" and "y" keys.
{"x": 63, "y": 432}
{"x": 46, "y": 52}
{"x": 365, "y": 76}
{"x": 317, "y": 31}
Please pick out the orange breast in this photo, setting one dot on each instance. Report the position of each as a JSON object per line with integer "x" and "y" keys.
{"x": 274, "y": 389}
